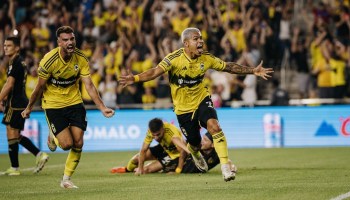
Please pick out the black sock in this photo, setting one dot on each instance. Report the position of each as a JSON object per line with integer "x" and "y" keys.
{"x": 28, "y": 144}
{"x": 13, "y": 152}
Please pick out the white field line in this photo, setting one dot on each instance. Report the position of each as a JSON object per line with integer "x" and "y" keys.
{"x": 46, "y": 167}
{"x": 342, "y": 196}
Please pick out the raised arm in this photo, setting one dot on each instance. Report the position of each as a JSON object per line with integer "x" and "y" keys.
{"x": 147, "y": 75}
{"x": 235, "y": 68}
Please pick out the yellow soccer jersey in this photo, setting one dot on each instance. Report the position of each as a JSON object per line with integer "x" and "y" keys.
{"x": 186, "y": 78}
{"x": 170, "y": 131}
{"x": 62, "y": 87}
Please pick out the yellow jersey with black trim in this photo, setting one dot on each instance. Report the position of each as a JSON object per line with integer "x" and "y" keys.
{"x": 170, "y": 131}
{"x": 186, "y": 78}
{"x": 62, "y": 86}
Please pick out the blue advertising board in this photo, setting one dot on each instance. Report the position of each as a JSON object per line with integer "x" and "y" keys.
{"x": 243, "y": 127}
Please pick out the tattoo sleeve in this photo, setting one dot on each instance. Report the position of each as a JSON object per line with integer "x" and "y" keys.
{"x": 235, "y": 68}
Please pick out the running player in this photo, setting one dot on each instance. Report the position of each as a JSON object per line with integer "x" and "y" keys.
{"x": 59, "y": 73}
{"x": 192, "y": 104}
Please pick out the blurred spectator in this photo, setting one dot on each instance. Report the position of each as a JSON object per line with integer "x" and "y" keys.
{"x": 163, "y": 99}
{"x": 108, "y": 90}
{"x": 299, "y": 51}
{"x": 280, "y": 97}
{"x": 148, "y": 98}
{"x": 142, "y": 32}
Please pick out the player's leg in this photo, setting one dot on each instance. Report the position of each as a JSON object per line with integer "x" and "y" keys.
{"x": 154, "y": 166}
{"x": 189, "y": 126}
{"x": 209, "y": 120}
{"x": 130, "y": 167}
{"x": 76, "y": 116}
{"x": 12, "y": 138}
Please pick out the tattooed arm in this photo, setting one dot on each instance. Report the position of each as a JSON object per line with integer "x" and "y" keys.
{"x": 235, "y": 68}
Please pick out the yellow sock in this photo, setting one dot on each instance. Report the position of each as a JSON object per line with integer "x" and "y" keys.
{"x": 220, "y": 145}
{"x": 193, "y": 152}
{"x": 72, "y": 161}
{"x": 131, "y": 166}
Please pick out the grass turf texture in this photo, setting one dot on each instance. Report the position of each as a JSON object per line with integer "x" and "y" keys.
{"x": 287, "y": 173}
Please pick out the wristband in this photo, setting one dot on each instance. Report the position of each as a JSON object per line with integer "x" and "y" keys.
{"x": 178, "y": 170}
{"x": 136, "y": 78}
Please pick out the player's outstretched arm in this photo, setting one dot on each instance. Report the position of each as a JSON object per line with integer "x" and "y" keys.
{"x": 142, "y": 157}
{"x": 92, "y": 91}
{"x": 129, "y": 78}
{"x": 235, "y": 68}
{"x": 39, "y": 88}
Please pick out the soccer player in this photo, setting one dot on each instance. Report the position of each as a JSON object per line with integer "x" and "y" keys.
{"x": 188, "y": 166}
{"x": 59, "y": 73}
{"x": 169, "y": 152}
{"x": 13, "y": 100}
{"x": 191, "y": 99}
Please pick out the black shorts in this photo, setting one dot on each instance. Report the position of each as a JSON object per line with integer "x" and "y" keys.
{"x": 190, "y": 123}
{"x": 13, "y": 117}
{"x": 61, "y": 118}
{"x": 169, "y": 165}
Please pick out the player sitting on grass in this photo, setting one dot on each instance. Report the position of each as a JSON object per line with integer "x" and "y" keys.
{"x": 207, "y": 150}
{"x": 165, "y": 155}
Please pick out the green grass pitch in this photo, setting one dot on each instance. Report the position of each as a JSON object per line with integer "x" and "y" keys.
{"x": 286, "y": 173}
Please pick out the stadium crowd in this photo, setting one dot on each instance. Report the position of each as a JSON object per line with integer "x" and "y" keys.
{"x": 310, "y": 37}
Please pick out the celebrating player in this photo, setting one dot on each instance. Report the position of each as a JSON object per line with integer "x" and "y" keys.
{"x": 191, "y": 99}
{"x": 59, "y": 73}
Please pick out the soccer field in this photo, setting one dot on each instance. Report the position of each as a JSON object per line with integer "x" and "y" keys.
{"x": 286, "y": 173}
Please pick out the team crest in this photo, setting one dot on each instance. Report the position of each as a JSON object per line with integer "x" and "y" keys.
{"x": 202, "y": 66}
{"x": 76, "y": 67}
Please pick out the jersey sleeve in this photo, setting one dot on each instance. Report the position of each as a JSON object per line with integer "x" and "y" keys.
{"x": 166, "y": 63}
{"x": 148, "y": 139}
{"x": 174, "y": 131}
{"x": 14, "y": 69}
{"x": 216, "y": 63}
{"x": 43, "y": 72}
{"x": 85, "y": 70}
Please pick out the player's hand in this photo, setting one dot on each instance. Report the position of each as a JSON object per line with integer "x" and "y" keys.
{"x": 262, "y": 72}
{"x": 126, "y": 79}
{"x": 139, "y": 171}
{"x": 26, "y": 113}
{"x": 108, "y": 112}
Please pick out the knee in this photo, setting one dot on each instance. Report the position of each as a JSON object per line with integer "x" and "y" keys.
{"x": 79, "y": 144}
{"x": 146, "y": 170}
{"x": 213, "y": 126}
{"x": 66, "y": 145}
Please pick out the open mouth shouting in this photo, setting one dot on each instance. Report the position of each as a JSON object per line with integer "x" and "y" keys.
{"x": 200, "y": 48}
{"x": 70, "y": 48}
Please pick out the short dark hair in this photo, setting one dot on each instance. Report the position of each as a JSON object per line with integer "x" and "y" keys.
{"x": 16, "y": 41}
{"x": 155, "y": 125}
{"x": 64, "y": 29}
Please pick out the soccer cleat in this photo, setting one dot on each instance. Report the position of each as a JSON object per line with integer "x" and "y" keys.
{"x": 118, "y": 170}
{"x": 11, "y": 172}
{"x": 200, "y": 162}
{"x": 233, "y": 168}
{"x": 51, "y": 142}
{"x": 227, "y": 173}
{"x": 41, "y": 159}
{"x": 68, "y": 184}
